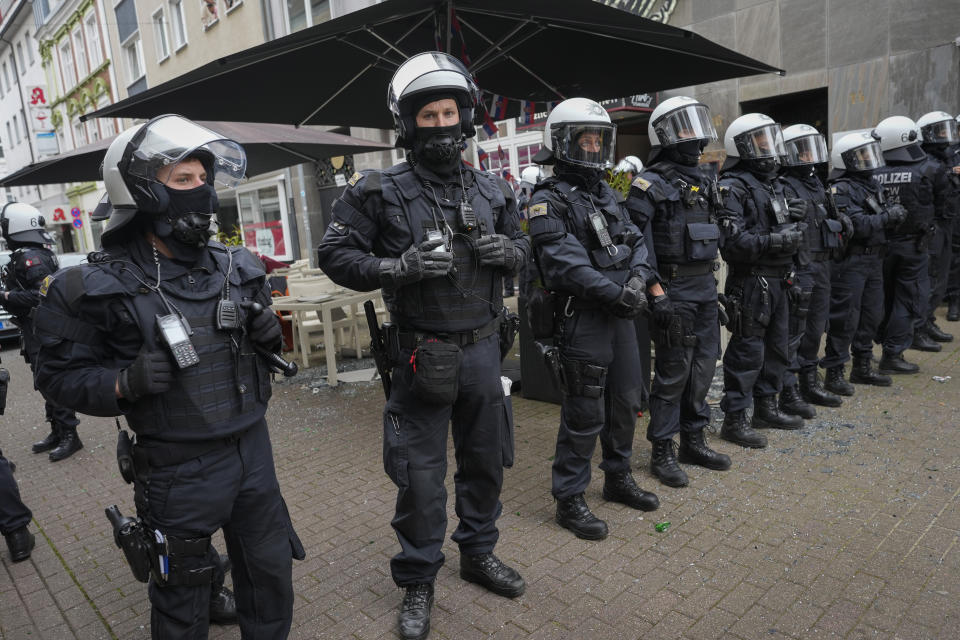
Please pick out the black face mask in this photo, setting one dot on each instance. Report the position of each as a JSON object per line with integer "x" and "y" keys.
{"x": 438, "y": 148}
{"x": 763, "y": 167}
{"x": 185, "y": 228}
{"x": 579, "y": 175}
{"x": 686, "y": 152}
{"x": 802, "y": 171}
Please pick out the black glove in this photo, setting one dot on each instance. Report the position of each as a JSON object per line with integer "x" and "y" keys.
{"x": 662, "y": 310}
{"x": 263, "y": 328}
{"x": 794, "y": 292}
{"x": 722, "y": 316}
{"x": 797, "y": 208}
{"x": 786, "y": 242}
{"x": 497, "y": 250}
{"x": 847, "y": 225}
{"x": 894, "y": 216}
{"x": 151, "y": 373}
{"x": 632, "y": 301}
{"x": 419, "y": 262}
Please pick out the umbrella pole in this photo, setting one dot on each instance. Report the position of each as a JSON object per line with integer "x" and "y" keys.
{"x": 449, "y": 21}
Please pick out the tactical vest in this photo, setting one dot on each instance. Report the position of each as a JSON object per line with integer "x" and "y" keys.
{"x": 909, "y": 184}
{"x": 761, "y": 196}
{"x": 410, "y": 210}
{"x": 857, "y": 192}
{"x": 228, "y": 390}
{"x": 22, "y": 272}
{"x": 684, "y": 227}
{"x": 822, "y": 232}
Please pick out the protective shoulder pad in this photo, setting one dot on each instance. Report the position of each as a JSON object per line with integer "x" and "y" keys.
{"x": 652, "y": 184}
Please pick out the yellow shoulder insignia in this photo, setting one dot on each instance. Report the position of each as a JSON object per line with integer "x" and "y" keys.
{"x": 45, "y": 285}
{"x": 538, "y": 210}
{"x": 694, "y": 188}
{"x": 833, "y": 190}
{"x": 641, "y": 183}
{"x": 354, "y": 178}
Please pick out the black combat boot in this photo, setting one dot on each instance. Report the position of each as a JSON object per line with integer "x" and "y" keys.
{"x": 737, "y": 430}
{"x": 766, "y": 415}
{"x": 937, "y": 334}
{"x": 69, "y": 444}
{"x": 895, "y": 364}
{"x": 20, "y": 543}
{"x": 864, "y": 373}
{"x": 574, "y": 514}
{"x": 813, "y": 392}
{"x": 835, "y": 382}
{"x": 792, "y": 403}
{"x": 415, "y": 611}
{"x": 922, "y": 342}
{"x": 694, "y": 450}
{"x": 223, "y": 606}
{"x": 953, "y": 310}
{"x": 622, "y": 488}
{"x": 663, "y": 464}
{"x": 50, "y": 442}
{"x": 488, "y": 571}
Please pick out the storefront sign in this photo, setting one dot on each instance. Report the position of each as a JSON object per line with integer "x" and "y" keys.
{"x": 265, "y": 238}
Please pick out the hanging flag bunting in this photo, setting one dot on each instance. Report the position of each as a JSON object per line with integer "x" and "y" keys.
{"x": 527, "y": 111}
{"x": 482, "y": 157}
{"x": 498, "y": 107}
{"x": 501, "y": 155}
{"x": 455, "y": 26}
{"x": 489, "y": 126}
{"x": 551, "y": 106}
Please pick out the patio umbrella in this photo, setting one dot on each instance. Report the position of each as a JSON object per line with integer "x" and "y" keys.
{"x": 268, "y": 147}
{"x": 336, "y": 73}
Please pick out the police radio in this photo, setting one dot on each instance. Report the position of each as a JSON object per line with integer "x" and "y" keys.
{"x": 468, "y": 218}
{"x": 174, "y": 333}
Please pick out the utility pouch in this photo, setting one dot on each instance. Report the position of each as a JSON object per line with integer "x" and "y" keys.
{"x": 551, "y": 357}
{"x": 436, "y": 371}
{"x": 135, "y": 542}
{"x": 830, "y": 231}
{"x": 509, "y": 325}
{"x": 542, "y": 306}
{"x": 4, "y": 383}
{"x": 125, "y": 457}
{"x": 703, "y": 241}
{"x": 733, "y": 305}
{"x": 763, "y": 311}
{"x": 391, "y": 340}
{"x": 582, "y": 378}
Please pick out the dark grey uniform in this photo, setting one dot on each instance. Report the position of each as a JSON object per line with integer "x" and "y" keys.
{"x": 381, "y": 214}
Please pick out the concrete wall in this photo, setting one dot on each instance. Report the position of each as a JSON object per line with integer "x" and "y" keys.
{"x": 875, "y": 57}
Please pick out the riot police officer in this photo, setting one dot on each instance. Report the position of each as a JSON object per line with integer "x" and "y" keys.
{"x": 856, "y": 280}
{"x": 939, "y": 131}
{"x": 164, "y": 326}
{"x": 32, "y": 261}
{"x": 630, "y": 167}
{"x": 678, "y": 201}
{"x": 810, "y": 304}
{"x": 953, "y": 278}
{"x": 14, "y": 515}
{"x": 437, "y": 236}
{"x": 759, "y": 237}
{"x": 595, "y": 260}
{"x": 908, "y": 178}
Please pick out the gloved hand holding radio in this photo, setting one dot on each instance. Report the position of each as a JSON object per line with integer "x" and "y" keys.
{"x": 419, "y": 262}
{"x": 151, "y": 373}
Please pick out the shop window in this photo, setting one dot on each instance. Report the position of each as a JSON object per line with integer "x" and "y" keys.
{"x": 263, "y": 220}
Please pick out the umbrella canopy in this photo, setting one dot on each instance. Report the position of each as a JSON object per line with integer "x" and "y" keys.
{"x": 268, "y": 147}
{"x": 532, "y": 50}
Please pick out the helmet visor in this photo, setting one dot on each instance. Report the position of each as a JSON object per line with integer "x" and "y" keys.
{"x": 428, "y": 71}
{"x": 691, "y": 122}
{"x": 764, "y": 142}
{"x": 590, "y": 144}
{"x": 168, "y": 140}
{"x": 863, "y": 158}
{"x": 810, "y": 149}
{"x": 943, "y": 132}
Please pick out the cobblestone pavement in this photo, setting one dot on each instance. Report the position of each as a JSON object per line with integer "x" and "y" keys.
{"x": 847, "y": 529}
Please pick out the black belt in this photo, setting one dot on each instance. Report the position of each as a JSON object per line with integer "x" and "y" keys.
{"x": 411, "y": 338}
{"x": 745, "y": 270}
{"x": 863, "y": 250}
{"x": 160, "y": 453}
{"x": 819, "y": 256}
{"x": 672, "y": 271}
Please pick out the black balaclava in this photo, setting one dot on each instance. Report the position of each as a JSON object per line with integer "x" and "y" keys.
{"x": 686, "y": 153}
{"x": 579, "y": 175}
{"x": 802, "y": 171}
{"x": 938, "y": 149}
{"x": 437, "y": 148}
{"x": 185, "y": 225}
{"x": 762, "y": 167}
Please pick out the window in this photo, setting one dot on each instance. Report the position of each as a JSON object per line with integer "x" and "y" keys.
{"x": 93, "y": 131}
{"x": 230, "y": 4}
{"x": 79, "y": 133}
{"x": 133, "y": 56}
{"x": 9, "y": 133}
{"x": 23, "y": 123}
{"x": 107, "y": 125}
{"x": 23, "y": 61}
{"x": 160, "y": 35}
{"x": 93, "y": 40}
{"x": 16, "y": 128}
{"x": 28, "y": 43}
{"x": 525, "y": 155}
{"x": 1, "y": 151}
{"x": 209, "y": 13}
{"x": 13, "y": 66}
{"x": 6, "y": 78}
{"x": 263, "y": 218}
{"x": 494, "y": 163}
{"x": 82, "y": 67}
{"x": 179, "y": 24}
{"x": 306, "y": 13}
{"x": 67, "y": 70}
